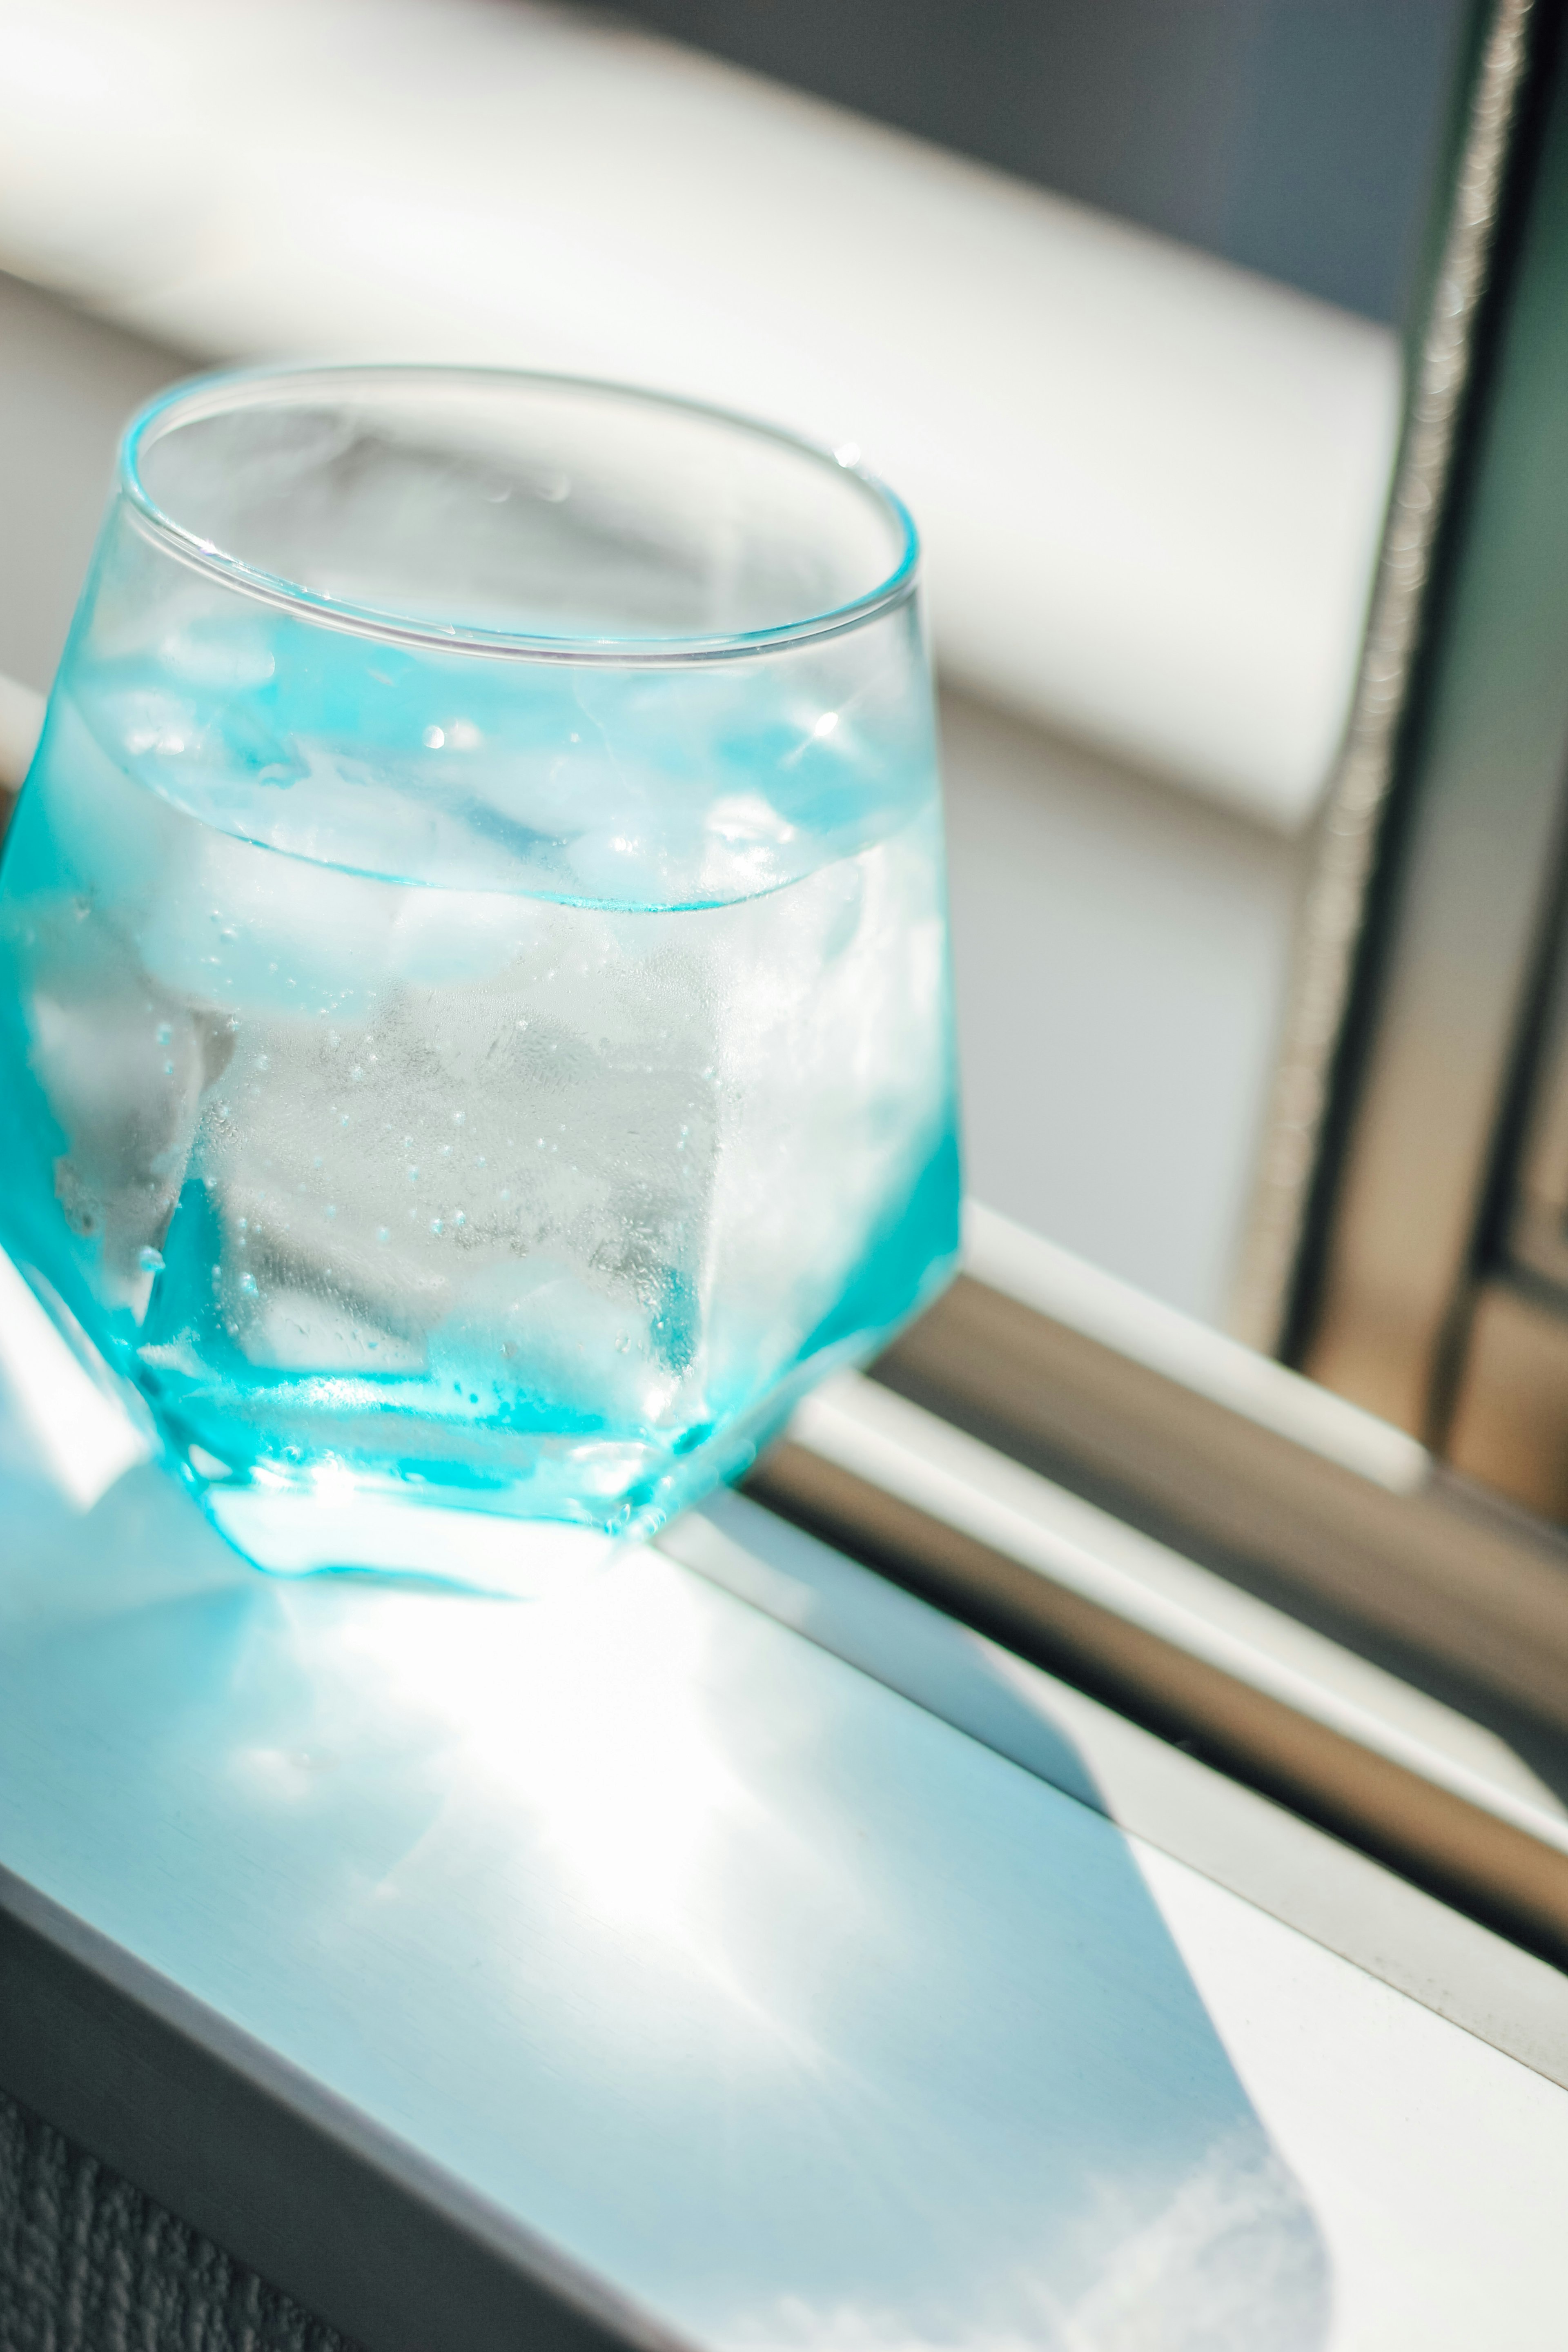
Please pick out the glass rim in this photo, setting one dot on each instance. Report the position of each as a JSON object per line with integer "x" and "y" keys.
{"x": 225, "y": 388}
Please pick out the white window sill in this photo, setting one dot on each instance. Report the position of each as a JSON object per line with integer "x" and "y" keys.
{"x": 649, "y": 1925}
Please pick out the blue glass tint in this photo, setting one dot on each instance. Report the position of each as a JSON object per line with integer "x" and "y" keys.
{"x": 475, "y": 1018}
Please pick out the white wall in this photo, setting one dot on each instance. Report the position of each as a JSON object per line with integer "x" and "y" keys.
{"x": 1149, "y": 484}
{"x": 1122, "y": 956}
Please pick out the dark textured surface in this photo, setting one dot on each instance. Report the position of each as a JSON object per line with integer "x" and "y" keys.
{"x": 88, "y": 2263}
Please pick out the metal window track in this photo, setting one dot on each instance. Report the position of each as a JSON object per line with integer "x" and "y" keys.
{"x": 1244, "y": 1563}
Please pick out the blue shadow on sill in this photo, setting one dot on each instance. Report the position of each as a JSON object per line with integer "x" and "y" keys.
{"x": 801, "y": 2016}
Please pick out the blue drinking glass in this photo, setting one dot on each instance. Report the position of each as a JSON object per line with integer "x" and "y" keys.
{"x": 475, "y": 1021}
